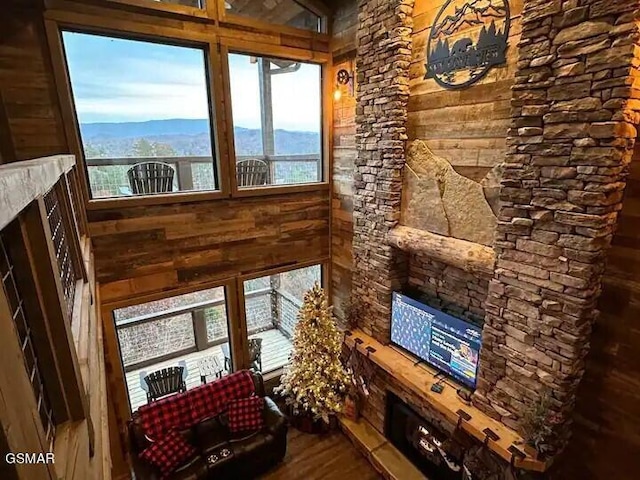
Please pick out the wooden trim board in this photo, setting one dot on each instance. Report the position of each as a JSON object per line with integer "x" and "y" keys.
{"x": 385, "y": 458}
{"x": 418, "y": 379}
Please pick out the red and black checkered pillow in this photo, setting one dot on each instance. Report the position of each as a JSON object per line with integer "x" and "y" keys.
{"x": 245, "y": 414}
{"x": 168, "y": 453}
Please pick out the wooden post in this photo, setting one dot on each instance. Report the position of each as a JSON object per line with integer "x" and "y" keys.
{"x": 7, "y": 150}
{"x": 238, "y": 339}
{"x": 78, "y": 201}
{"x": 266, "y": 107}
{"x": 274, "y": 281}
{"x": 266, "y": 118}
{"x": 200, "y": 329}
{"x": 185, "y": 175}
{"x": 46, "y": 268}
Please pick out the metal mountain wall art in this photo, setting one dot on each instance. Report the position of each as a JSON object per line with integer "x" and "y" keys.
{"x": 467, "y": 39}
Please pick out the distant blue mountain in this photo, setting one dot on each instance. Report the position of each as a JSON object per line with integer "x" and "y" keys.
{"x": 144, "y": 129}
{"x": 186, "y": 137}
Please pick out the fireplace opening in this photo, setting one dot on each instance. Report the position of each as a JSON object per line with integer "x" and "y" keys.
{"x": 434, "y": 452}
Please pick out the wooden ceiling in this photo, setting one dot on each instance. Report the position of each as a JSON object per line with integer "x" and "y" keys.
{"x": 276, "y": 11}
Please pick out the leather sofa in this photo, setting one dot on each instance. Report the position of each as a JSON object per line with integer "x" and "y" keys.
{"x": 221, "y": 455}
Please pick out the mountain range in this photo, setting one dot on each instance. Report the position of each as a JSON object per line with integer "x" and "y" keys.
{"x": 183, "y": 137}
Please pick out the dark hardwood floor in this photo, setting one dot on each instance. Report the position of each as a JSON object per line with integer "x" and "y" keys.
{"x": 321, "y": 457}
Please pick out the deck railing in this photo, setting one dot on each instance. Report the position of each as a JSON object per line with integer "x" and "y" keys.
{"x": 157, "y": 337}
{"x": 108, "y": 176}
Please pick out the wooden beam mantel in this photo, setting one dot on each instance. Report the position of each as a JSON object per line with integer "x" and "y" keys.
{"x": 468, "y": 256}
{"x": 419, "y": 378}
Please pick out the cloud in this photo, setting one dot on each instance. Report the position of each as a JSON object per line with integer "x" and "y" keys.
{"x": 118, "y": 80}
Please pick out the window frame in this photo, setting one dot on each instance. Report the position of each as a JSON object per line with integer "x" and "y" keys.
{"x": 207, "y": 43}
{"x": 112, "y": 341}
{"x": 208, "y": 11}
{"x": 325, "y": 276}
{"x": 217, "y": 42}
{"x": 235, "y": 46}
{"x": 312, "y": 6}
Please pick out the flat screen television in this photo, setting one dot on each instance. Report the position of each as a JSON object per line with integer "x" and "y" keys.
{"x": 447, "y": 343}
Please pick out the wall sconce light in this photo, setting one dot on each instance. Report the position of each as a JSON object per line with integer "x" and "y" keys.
{"x": 343, "y": 78}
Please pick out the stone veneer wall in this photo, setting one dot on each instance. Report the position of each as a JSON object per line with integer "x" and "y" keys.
{"x": 571, "y": 138}
{"x": 447, "y": 288}
{"x": 383, "y": 59}
{"x": 574, "y": 112}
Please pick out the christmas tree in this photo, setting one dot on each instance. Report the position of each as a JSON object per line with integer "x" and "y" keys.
{"x": 315, "y": 381}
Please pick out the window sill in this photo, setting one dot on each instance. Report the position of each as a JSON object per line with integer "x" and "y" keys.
{"x": 281, "y": 189}
{"x": 189, "y": 197}
{"x": 150, "y": 200}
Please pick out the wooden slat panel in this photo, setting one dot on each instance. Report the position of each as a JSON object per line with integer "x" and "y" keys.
{"x": 33, "y": 121}
{"x": 144, "y": 250}
{"x": 467, "y": 127}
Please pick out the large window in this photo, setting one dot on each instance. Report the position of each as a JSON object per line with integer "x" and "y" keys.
{"x": 143, "y": 113}
{"x": 281, "y": 12}
{"x": 277, "y": 121}
{"x": 189, "y": 331}
{"x": 271, "y": 310}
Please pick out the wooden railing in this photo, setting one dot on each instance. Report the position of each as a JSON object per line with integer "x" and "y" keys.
{"x": 184, "y": 166}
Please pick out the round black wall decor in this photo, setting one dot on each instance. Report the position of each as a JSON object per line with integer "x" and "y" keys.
{"x": 467, "y": 39}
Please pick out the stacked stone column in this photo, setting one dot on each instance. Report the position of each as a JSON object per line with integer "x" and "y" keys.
{"x": 571, "y": 140}
{"x": 384, "y": 56}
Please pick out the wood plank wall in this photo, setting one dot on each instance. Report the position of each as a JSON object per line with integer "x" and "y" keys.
{"x": 344, "y": 155}
{"x": 146, "y": 250}
{"x": 149, "y": 249}
{"x": 468, "y": 127}
{"x": 31, "y": 126}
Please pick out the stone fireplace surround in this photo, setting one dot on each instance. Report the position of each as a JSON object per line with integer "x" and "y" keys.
{"x": 573, "y": 130}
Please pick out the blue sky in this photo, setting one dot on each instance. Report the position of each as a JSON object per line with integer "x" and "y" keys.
{"x": 117, "y": 80}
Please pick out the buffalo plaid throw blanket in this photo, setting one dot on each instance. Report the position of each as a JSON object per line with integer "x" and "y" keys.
{"x": 184, "y": 410}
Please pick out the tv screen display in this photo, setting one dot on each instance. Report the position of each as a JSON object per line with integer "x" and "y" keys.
{"x": 445, "y": 342}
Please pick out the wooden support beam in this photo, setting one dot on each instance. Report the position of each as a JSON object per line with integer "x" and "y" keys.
{"x": 21, "y": 183}
{"x": 266, "y": 107}
{"x": 468, "y": 256}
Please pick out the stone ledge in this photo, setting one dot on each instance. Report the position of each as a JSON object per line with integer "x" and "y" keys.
{"x": 468, "y": 256}
{"x": 386, "y": 458}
